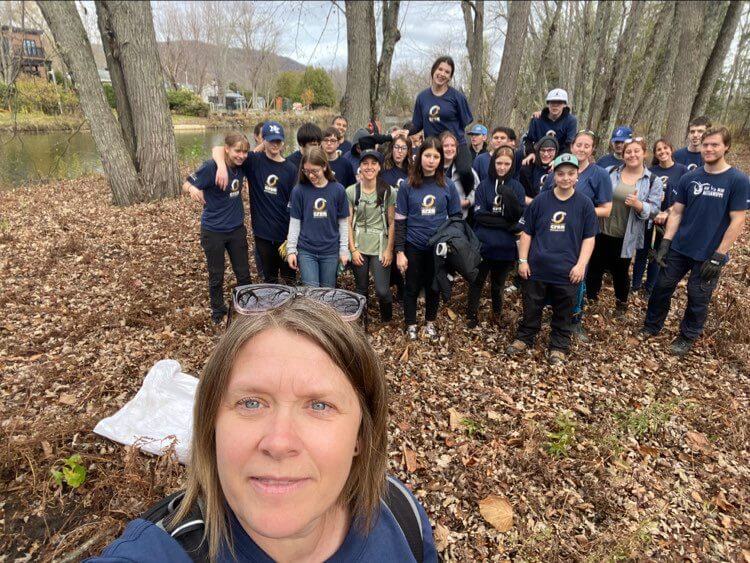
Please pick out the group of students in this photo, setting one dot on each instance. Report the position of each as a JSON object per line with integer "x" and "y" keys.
{"x": 542, "y": 206}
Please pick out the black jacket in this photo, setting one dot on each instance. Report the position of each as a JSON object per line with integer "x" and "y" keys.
{"x": 463, "y": 254}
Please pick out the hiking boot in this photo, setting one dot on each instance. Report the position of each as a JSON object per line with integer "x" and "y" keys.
{"x": 386, "y": 312}
{"x": 217, "y": 317}
{"x": 647, "y": 333}
{"x": 516, "y": 347}
{"x": 411, "y": 332}
{"x": 621, "y": 309}
{"x": 430, "y": 330}
{"x": 580, "y": 333}
{"x": 472, "y": 322}
{"x": 681, "y": 345}
{"x": 556, "y": 357}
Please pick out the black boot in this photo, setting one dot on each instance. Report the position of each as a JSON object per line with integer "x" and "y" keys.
{"x": 386, "y": 312}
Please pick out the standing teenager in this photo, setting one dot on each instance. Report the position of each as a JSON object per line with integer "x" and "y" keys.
{"x": 271, "y": 179}
{"x": 223, "y": 220}
{"x": 690, "y": 155}
{"x": 477, "y": 140}
{"x": 636, "y": 199}
{"x": 341, "y": 167}
{"x": 342, "y": 124}
{"x": 443, "y": 108}
{"x": 318, "y": 237}
{"x": 499, "y": 204}
{"x": 422, "y": 206}
{"x": 556, "y": 244}
{"x": 308, "y": 135}
{"x": 534, "y": 174}
{"x": 616, "y": 144}
{"x": 450, "y": 151}
{"x": 707, "y": 216}
{"x": 372, "y": 210}
{"x": 556, "y": 117}
{"x": 500, "y": 136}
{"x": 397, "y": 162}
{"x": 670, "y": 172}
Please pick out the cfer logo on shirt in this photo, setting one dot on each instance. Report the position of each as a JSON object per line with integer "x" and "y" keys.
{"x": 558, "y": 222}
{"x": 271, "y": 184}
{"x": 497, "y": 204}
{"x": 319, "y": 208}
{"x": 399, "y": 182}
{"x": 692, "y": 166}
{"x": 428, "y": 205}
{"x": 542, "y": 180}
{"x": 234, "y": 189}
{"x": 706, "y": 189}
{"x": 434, "y": 114}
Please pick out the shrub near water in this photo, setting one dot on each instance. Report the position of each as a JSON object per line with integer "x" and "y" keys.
{"x": 29, "y": 95}
{"x": 185, "y": 102}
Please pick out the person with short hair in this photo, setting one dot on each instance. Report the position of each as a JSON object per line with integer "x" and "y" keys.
{"x": 289, "y": 453}
{"x": 554, "y": 120}
{"x": 341, "y": 167}
{"x": 707, "y": 215}
{"x": 616, "y": 144}
{"x": 556, "y": 243}
{"x": 222, "y": 220}
{"x": 308, "y": 135}
{"x": 342, "y": 124}
{"x": 690, "y": 155}
{"x": 477, "y": 140}
{"x": 534, "y": 174}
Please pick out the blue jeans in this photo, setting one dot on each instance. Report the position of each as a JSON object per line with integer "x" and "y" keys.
{"x": 698, "y": 291}
{"x": 317, "y": 270}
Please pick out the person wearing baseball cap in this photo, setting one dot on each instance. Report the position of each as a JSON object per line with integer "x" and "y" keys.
{"x": 554, "y": 119}
{"x": 616, "y": 144}
{"x": 477, "y": 140}
{"x": 559, "y": 228}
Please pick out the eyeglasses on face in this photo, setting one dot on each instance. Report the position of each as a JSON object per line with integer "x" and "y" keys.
{"x": 312, "y": 171}
{"x": 400, "y": 148}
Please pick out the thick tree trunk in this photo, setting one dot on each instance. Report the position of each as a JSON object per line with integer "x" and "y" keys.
{"x": 75, "y": 49}
{"x": 685, "y": 72}
{"x": 391, "y": 36}
{"x": 507, "y": 75}
{"x": 474, "y": 24}
{"x": 716, "y": 59}
{"x": 550, "y": 73}
{"x": 136, "y": 57}
{"x": 736, "y": 67}
{"x": 355, "y": 104}
{"x": 600, "y": 75}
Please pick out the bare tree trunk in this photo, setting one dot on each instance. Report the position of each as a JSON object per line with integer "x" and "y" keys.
{"x": 391, "y": 36}
{"x": 474, "y": 24}
{"x": 549, "y": 73}
{"x": 507, "y": 75}
{"x": 355, "y": 104}
{"x": 659, "y": 97}
{"x": 603, "y": 17}
{"x": 716, "y": 60}
{"x": 75, "y": 49}
{"x": 583, "y": 71}
{"x": 736, "y": 67}
{"x": 685, "y": 73}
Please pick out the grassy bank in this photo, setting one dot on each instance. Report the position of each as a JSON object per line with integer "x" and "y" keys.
{"x": 624, "y": 453}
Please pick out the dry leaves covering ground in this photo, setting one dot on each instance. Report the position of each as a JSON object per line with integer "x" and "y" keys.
{"x": 626, "y": 452}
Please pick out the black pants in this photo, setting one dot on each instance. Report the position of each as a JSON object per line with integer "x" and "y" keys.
{"x": 271, "y": 263}
{"x": 606, "y": 257}
{"x": 498, "y": 270}
{"x": 562, "y": 298}
{"x": 420, "y": 274}
{"x": 214, "y": 245}
{"x": 463, "y": 167}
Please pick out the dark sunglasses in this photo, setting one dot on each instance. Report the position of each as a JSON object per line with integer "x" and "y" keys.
{"x": 255, "y": 299}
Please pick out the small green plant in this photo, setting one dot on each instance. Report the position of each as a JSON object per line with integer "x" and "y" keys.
{"x": 647, "y": 420}
{"x": 72, "y": 472}
{"x": 472, "y": 426}
{"x": 560, "y": 441}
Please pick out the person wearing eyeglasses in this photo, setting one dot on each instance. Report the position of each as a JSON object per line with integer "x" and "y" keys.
{"x": 318, "y": 237}
{"x": 616, "y": 144}
{"x": 706, "y": 218}
{"x": 397, "y": 161}
{"x": 341, "y": 167}
{"x": 422, "y": 206}
{"x": 534, "y": 174}
{"x": 450, "y": 151}
{"x": 636, "y": 199}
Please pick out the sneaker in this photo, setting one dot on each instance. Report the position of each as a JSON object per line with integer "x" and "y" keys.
{"x": 647, "y": 333}
{"x": 516, "y": 347}
{"x": 556, "y": 357}
{"x": 511, "y": 288}
{"x": 430, "y": 330}
{"x": 621, "y": 310}
{"x": 681, "y": 345}
{"x": 411, "y": 332}
{"x": 471, "y": 322}
{"x": 579, "y": 332}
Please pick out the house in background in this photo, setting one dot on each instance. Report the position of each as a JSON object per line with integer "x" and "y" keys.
{"x": 22, "y": 49}
{"x": 223, "y": 100}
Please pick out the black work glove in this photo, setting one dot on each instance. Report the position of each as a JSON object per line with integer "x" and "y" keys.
{"x": 661, "y": 254}
{"x": 712, "y": 267}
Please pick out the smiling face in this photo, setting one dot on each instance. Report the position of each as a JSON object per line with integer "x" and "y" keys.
{"x": 663, "y": 153}
{"x": 499, "y": 138}
{"x": 430, "y": 161}
{"x": 369, "y": 168}
{"x": 236, "y": 154}
{"x": 286, "y": 435}
{"x": 713, "y": 149}
{"x": 583, "y": 148}
{"x": 442, "y": 75}
{"x": 341, "y": 124}
{"x": 449, "y": 149}
{"x": 694, "y": 136}
{"x": 547, "y": 155}
{"x": 566, "y": 176}
{"x": 273, "y": 148}
{"x": 633, "y": 155}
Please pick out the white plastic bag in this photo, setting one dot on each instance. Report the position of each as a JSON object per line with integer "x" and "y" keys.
{"x": 161, "y": 413}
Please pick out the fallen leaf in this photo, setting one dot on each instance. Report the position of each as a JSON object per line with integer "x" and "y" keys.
{"x": 47, "y": 447}
{"x": 698, "y": 442}
{"x": 67, "y": 399}
{"x": 455, "y": 418}
{"x": 726, "y": 521}
{"x": 442, "y": 535}
{"x": 410, "y": 459}
{"x": 721, "y": 501}
{"x": 696, "y": 496}
{"x": 746, "y": 555}
{"x": 451, "y": 314}
{"x": 497, "y": 511}
{"x": 648, "y": 450}
{"x": 405, "y": 355}
{"x": 492, "y": 415}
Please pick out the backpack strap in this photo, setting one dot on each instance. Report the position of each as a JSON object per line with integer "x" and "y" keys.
{"x": 189, "y": 532}
{"x": 401, "y": 504}
{"x": 384, "y": 208}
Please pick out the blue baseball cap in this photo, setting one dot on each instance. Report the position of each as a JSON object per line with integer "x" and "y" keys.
{"x": 622, "y": 133}
{"x": 478, "y": 130}
{"x": 272, "y": 131}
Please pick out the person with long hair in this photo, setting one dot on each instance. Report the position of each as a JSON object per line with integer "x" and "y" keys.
{"x": 397, "y": 162}
{"x": 443, "y": 108}
{"x": 670, "y": 172}
{"x": 422, "y": 205}
{"x": 499, "y": 204}
{"x": 636, "y": 199}
{"x": 450, "y": 150}
{"x": 341, "y": 167}
{"x": 318, "y": 237}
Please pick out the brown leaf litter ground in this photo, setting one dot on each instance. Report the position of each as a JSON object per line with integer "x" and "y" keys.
{"x": 624, "y": 453}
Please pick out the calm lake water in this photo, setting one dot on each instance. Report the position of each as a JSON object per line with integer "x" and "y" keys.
{"x": 29, "y": 158}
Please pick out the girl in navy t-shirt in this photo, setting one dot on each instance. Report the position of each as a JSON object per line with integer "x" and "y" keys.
{"x": 397, "y": 162}
{"x": 318, "y": 232}
{"x": 422, "y": 205}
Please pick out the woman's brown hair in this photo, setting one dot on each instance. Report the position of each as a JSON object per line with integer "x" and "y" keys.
{"x": 390, "y": 162}
{"x": 317, "y": 157}
{"x": 235, "y": 137}
{"x": 416, "y": 176}
{"x": 348, "y": 348}
{"x": 654, "y": 160}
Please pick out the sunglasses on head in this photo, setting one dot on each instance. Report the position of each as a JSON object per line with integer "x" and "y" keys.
{"x": 633, "y": 140}
{"x": 255, "y": 299}
{"x": 587, "y": 132}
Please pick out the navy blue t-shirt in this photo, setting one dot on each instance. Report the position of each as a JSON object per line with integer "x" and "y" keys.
{"x": 223, "y": 211}
{"x": 608, "y": 160}
{"x": 497, "y": 244}
{"x": 533, "y": 177}
{"x": 426, "y": 208}
{"x": 319, "y": 210}
{"x": 342, "y": 171}
{"x": 481, "y": 165}
{"x": 353, "y": 161}
{"x": 345, "y": 146}
{"x": 690, "y": 159}
{"x": 394, "y": 177}
{"x": 271, "y": 185}
{"x": 594, "y": 182}
{"x": 564, "y": 127}
{"x": 295, "y": 158}
{"x": 670, "y": 177}
{"x": 435, "y": 114}
{"x": 558, "y": 229}
{"x": 708, "y": 199}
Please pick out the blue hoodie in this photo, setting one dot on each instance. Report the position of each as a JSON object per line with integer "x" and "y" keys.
{"x": 565, "y": 129}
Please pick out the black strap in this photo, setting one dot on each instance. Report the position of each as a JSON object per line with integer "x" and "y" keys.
{"x": 406, "y": 513}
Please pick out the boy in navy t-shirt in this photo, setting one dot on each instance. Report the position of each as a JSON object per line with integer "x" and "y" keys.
{"x": 223, "y": 220}
{"x": 706, "y": 217}
{"x": 341, "y": 167}
{"x": 559, "y": 229}
{"x": 617, "y": 144}
{"x": 555, "y": 118}
{"x": 690, "y": 155}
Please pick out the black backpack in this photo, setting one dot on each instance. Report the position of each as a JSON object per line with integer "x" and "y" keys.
{"x": 189, "y": 532}
{"x": 383, "y": 211}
